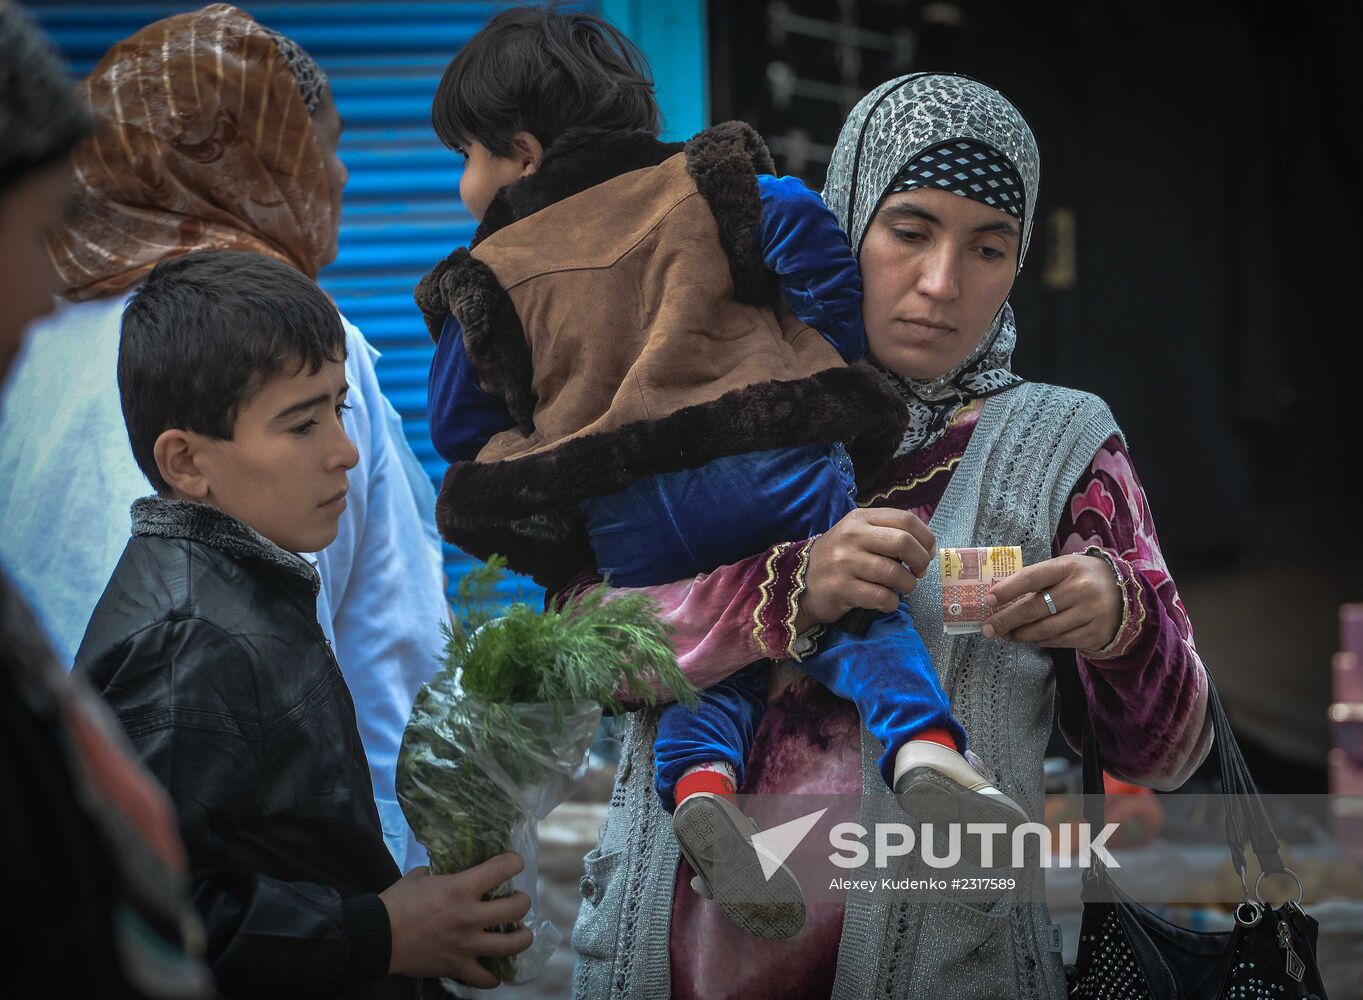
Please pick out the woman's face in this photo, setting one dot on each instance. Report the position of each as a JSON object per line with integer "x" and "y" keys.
{"x": 936, "y": 268}
{"x": 29, "y": 212}
{"x": 328, "y": 124}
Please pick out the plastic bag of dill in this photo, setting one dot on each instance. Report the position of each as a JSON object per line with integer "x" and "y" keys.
{"x": 499, "y": 735}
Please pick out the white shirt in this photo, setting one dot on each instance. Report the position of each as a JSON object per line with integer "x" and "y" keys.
{"x": 67, "y": 479}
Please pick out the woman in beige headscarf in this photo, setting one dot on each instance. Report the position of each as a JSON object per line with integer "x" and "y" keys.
{"x": 219, "y": 133}
{"x": 215, "y": 132}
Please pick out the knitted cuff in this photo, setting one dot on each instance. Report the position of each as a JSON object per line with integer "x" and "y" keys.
{"x": 371, "y": 937}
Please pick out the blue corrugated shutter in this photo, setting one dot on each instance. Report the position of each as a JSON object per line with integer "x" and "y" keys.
{"x": 402, "y": 210}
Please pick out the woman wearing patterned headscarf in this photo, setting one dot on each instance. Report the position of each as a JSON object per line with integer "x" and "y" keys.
{"x": 216, "y": 132}
{"x": 935, "y": 179}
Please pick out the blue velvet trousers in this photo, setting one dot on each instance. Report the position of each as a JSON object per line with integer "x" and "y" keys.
{"x": 680, "y": 524}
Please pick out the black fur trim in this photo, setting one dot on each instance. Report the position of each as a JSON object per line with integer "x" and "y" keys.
{"x": 493, "y": 335}
{"x": 464, "y": 287}
{"x": 576, "y": 161}
{"x": 525, "y": 508}
{"x": 548, "y": 560}
{"x": 724, "y": 161}
{"x": 431, "y": 298}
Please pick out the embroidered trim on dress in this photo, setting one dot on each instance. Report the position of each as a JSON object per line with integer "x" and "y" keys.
{"x": 764, "y": 588}
{"x": 946, "y": 466}
{"x": 793, "y": 603}
{"x": 950, "y": 464}
{"x": 1131, "y": 594}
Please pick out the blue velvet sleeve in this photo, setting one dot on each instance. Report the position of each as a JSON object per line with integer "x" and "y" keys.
{"x": 807, "y": 249}
{"x": 463, "y": 417}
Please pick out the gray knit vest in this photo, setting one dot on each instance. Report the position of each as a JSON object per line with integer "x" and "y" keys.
{"x": 1030, "y": 447}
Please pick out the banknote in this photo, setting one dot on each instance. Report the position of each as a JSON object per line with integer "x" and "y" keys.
{"x": 967, "y": 575}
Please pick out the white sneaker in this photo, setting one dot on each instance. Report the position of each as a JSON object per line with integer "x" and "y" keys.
{"x": 717, "y": 840}
{"x": 937, "y": 785}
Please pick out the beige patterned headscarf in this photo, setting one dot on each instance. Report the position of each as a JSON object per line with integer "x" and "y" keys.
{"x": 204, "y": 141}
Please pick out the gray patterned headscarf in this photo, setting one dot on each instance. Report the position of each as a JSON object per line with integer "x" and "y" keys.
{"x": 888, "y": 129}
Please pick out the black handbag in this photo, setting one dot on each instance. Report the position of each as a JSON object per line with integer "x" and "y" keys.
{"x": 1127, "y": 952}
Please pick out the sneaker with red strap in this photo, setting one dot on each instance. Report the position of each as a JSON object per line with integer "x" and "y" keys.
{"x": 717, "y": 839}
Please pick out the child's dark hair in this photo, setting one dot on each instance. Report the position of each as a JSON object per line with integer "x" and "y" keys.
{"x": 544, "y": 70}
{"x": 205, "y": 332}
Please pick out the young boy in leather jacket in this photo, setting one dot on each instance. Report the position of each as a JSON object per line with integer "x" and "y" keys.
{"x": 206, "y": 644}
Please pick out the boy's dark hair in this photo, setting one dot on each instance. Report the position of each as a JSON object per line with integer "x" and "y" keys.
{"x": 205, "y": 332}
{"x": 544, "y": 70}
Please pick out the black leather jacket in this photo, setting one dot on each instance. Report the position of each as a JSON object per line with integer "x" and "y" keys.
{"x": 207, "y": 646}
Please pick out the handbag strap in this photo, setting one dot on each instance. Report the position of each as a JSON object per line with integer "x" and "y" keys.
{"x": 1246, "y": 818}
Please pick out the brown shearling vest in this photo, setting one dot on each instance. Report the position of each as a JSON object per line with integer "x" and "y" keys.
{"x": 616, "y": 300}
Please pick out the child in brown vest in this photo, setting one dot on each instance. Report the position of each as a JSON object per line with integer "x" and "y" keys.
{"x": 645, "y": 362}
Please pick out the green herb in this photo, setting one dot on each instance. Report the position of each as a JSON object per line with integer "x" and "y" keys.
{"x": 584, "y": 652}
{"x": 503, "y": 726}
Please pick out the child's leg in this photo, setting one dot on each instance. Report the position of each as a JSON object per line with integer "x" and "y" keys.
{"x": 679, "y": 524}
{"x": 890, "y": 677}
{"x": 715, "y": 837}
{"x": 719, "y": 730}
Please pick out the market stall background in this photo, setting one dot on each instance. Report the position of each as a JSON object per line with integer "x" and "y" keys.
{"x": 1195, "y": 256}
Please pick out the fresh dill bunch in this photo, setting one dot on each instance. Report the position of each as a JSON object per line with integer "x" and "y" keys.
{"x": 511, "y": 714}
{"x": 474, "y": 606}
{"x": 591, "y": 649}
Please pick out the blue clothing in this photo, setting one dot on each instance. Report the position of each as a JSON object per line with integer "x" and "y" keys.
{"x": 67, "y": 479}
{"x": 697, "y": 519}
{"x": 887, "y": 673}
{"x": 462, "y": 416}
{"x": 683, "y": 523}
{"x": 805, "y": 247}
{"x": 801, "y": 243}
{"x": 720, "y": 728}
